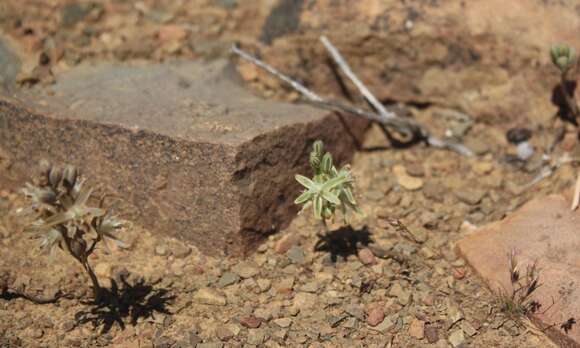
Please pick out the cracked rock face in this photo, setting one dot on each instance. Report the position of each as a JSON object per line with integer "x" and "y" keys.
{"x": 189, "y": 151}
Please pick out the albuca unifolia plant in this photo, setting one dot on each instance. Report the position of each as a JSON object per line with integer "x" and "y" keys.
{"x": 329, "y": 189}
{"x": 63, "y": 218}
{"x": 565, "y": 59}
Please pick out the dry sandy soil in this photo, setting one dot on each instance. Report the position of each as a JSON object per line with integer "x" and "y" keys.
{"x": 393, "y": 280}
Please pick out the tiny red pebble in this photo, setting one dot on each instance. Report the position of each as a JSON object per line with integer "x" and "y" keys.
{"x": 251, "y": 322}
{"x": 428, "y": 300}
{"x": 459, "y": 273}
{"x": 375, "y": 316}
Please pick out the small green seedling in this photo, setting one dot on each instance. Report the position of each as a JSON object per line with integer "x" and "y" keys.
{"x": 64, "y": 219}
{"x": 563, "y": 57}
{"x": 328, "y": 189}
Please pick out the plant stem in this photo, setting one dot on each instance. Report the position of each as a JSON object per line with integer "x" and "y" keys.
{"x": 324, "y": 226}
{"x": 568, "y": 96}
{"x": 94, "y": 280}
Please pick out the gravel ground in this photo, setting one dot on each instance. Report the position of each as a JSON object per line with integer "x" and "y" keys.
{"x": 393, "y": 279}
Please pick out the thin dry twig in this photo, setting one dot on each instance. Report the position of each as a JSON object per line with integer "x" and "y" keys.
{"x": 343, "y": 65}
{"x": 549, "y": 169}
{"x": 295, "y": 84}
{"x": 397, "y": 122}
{"x": 384, "y": 117}
{"x": 576, "y": 199}
{"x": 383, "y": 112}
{"x": 456, "y": 147}
{"x": 401, "y": 125}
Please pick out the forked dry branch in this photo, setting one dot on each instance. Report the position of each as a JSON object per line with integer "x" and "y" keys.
{"x": 389, "y": 121}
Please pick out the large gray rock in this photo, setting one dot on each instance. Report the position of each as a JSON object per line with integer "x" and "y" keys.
{"x": 185, "y": 145}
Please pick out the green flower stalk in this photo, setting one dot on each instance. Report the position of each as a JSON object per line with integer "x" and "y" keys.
{"x": 328, "y": 189}
{"x": 563, "y": 57}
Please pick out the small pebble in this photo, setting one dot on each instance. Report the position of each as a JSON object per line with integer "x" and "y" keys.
{"x": 406, "y": 181}
{"x": 160, "y": 250}
{"x": 456, "y": 338}
{"x": 375, "y": 316}
{"x": 285, "y": 243}
{"x": 417, "y": 329}
{"x": 470, "y": 196}
{"x": 209, "y": 297}
{"x": 251, "y": 322}
{"x": 228, "y": 278}
{"x": 283, "y": 322}
{"x": 296, "y": 255}
{"x": 366, "y": 256}
{"x": 525, "y": 150}
{"x": 431, "y": 334}
{"x": 518, "y": 135}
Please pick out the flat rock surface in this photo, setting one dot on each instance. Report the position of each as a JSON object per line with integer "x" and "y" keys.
{"x": 9, "y": 65}
{"x": 544, "y": 230}
{"x": 450, "y": 53}
{"x": 191, "y": 153}
{"x": 201, "y": 102}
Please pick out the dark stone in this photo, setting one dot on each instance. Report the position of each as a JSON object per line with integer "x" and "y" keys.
{"x": 208, "y": 163}
{"x": 284, "y": 19}
{"x": 518, "y": 135}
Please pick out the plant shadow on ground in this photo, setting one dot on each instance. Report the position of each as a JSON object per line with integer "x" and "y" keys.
{"x": 343, "y": 242}
{"x": 559, "y": 100}
{"x": 128, "y": 302}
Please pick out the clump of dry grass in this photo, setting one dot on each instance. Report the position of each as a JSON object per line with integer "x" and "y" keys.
{"x": 519, "y": 301}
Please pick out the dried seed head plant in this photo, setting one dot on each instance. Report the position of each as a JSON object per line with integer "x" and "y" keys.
{"x": 328, "y": 189}
{"x": 62, "y": 217}
{"x": 520, "y": 302}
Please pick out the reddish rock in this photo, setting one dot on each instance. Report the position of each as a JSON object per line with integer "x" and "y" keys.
{"x": 366, "y": 256}
{"x": 459, "y": 273}
{"x": 429, "y": 300}
{"x": 543, "y": 230}
{"x": 285, "y": 243}
{"x": 251, "y": 322}
{"x": 375, "y": 316}
{"x": 172, "y": 33}
{"x": 190, "y": 152}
